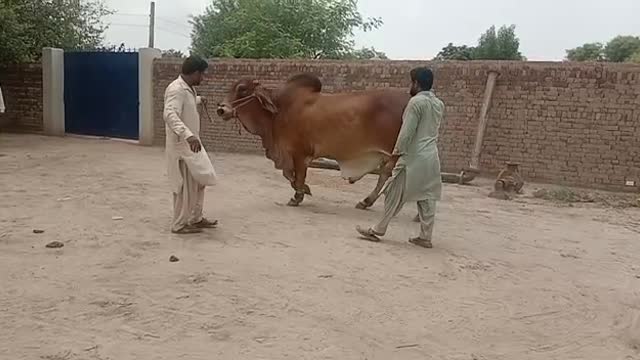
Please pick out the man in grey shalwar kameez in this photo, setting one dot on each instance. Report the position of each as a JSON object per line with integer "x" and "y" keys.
{"x": 416, "y": 175}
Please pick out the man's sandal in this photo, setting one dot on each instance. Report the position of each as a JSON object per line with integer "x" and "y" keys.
{"x": 421, "y": 242}
{"x": 368, "y": 234}
{"x": 206, "y": 224}
{"x": 187, "y": 230}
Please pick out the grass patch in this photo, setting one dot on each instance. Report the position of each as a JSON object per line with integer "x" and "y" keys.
{"x": 564, "y": 194}
{"x": 569, "y": 196}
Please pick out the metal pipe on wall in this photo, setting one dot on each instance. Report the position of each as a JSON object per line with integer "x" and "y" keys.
{"x": 474, "y": 165}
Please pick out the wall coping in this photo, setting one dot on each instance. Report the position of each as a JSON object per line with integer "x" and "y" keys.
{"x": 472, "y": 63}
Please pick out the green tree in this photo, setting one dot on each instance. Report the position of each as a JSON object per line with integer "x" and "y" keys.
{"x": 635, "y": 58}
{"x": 453, "y": 52}
{"x": 500, "y": 45}
{"x": 587, "y": 52}
{"x": 278, "y": 28}
{"x": 30, "y": 25}
{"x": 365, "y": 54}
{"x": 621, "y": 48}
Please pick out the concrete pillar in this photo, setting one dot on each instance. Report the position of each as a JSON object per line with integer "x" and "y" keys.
{"x": 145, "y": 97}
{"x": 53, "y": 91}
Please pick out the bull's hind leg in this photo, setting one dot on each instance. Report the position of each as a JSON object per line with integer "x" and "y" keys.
{"x": 299, "y": 183}
{"x": 375, "y": 194}
{"x": 289, "y": 175}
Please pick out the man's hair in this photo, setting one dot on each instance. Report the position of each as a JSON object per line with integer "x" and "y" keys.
{"x": 423, "y": 76}
{"x": 194, "y": 64}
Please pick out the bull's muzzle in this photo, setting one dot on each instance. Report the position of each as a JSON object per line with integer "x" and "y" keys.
{"x": 224, "y": 111}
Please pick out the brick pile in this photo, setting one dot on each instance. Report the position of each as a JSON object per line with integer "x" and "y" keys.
{"x": 566, "y": 123}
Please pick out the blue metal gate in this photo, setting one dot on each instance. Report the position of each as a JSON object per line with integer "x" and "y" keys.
{"x": 101, "y": 94}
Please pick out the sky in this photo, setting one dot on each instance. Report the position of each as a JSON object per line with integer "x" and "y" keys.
{"x": 417, "y": 29}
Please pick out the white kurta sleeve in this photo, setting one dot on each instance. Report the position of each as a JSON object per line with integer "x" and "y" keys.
{"x": 173, "y": 103}
{"x": 198, "y": 100}
{"x": 408, "y": 128}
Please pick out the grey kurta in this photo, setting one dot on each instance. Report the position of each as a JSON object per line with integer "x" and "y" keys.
{"x": 418, "y": 146}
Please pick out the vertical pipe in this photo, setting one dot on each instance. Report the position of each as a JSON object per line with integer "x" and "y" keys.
{"x": 152, "y": 23}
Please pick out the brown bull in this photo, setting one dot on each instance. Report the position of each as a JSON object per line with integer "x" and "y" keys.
{"x": 298, "y": 124}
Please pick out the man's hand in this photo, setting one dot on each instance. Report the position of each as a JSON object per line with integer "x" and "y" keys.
{"x": 194, "y": 144}
{"x": 395, "y": 158}
{"x": 203, "y": 101}
{"x": 391, "y": 163}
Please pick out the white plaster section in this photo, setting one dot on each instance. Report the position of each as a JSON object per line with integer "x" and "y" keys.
{"x": 145, "y": 97}
{"x": 53, "y": 91}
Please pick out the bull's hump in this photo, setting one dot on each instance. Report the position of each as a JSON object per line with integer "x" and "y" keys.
{"x": 305, "y": 80}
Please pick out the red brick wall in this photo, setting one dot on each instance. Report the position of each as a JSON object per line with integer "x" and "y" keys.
{"x": 22, "y": 92}
{"x": 576, "y": 124}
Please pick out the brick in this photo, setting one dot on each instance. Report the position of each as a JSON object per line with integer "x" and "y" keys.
{"x": 22, "y": 92}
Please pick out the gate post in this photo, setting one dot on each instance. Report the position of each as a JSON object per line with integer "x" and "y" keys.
{"x": 53, "y": 91}
{"x": 145, "y": 79}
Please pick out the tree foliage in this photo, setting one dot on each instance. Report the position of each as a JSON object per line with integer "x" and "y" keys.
{"x": 587, "y": 52}
{"x": 635, "y": 58}
{"x": 173, "y": 53}
{"x": 278, "y": 28}
{"x": 453, "y": 52}
{"x": 365, "y": 54}
{"x": 621, "y": 48}
{"x": 500, "y": 45}
{"x": 492, "y": 45}
{"x": 29, "y": 25}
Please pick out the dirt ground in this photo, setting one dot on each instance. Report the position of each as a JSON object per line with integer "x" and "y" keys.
{"x": 525, "y": 279}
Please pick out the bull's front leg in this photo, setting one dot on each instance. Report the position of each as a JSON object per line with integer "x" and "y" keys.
{"x": 299, "y": 182}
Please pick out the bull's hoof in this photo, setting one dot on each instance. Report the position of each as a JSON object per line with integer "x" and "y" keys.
{"x": 307, "y": 190}
{"x": 293, "y": 203}
{"x": 362, "y": 205}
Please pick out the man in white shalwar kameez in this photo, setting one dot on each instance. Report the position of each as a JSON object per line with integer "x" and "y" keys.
{"x": 182, "y": 141}
{"x": 416, "y": 175}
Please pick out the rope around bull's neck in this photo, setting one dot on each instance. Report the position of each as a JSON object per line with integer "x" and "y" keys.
{"x": 237, "y": 104}
{"x": 206, "y": 112}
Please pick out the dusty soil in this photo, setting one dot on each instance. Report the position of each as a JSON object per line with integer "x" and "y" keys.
{"x": 525, "y": 279}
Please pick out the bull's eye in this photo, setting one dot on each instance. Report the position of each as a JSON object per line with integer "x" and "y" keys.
{"x": 242, "y": 90}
